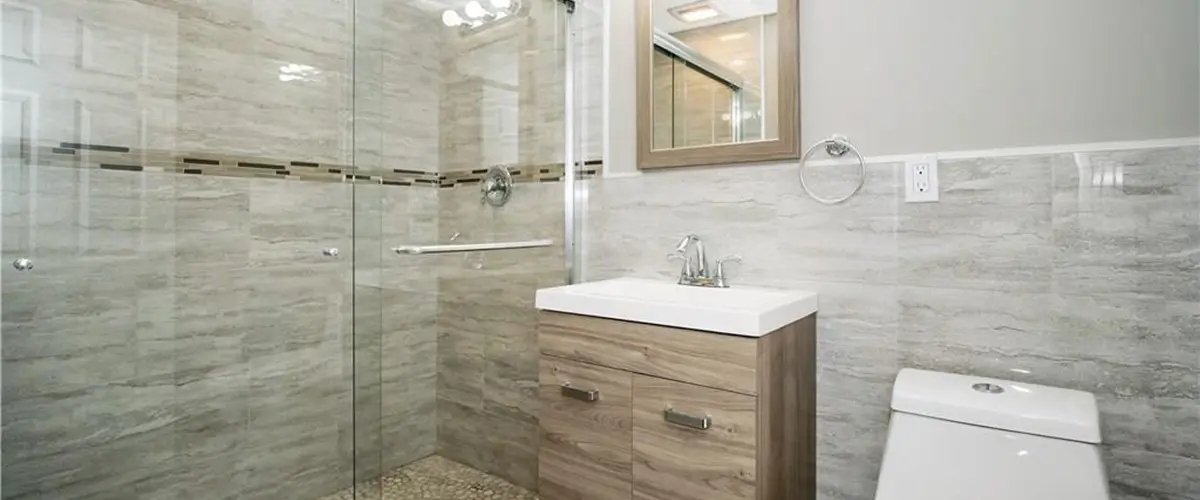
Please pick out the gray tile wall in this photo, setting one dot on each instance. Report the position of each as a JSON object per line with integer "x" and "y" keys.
{"x": 184, "y": 337}
{"x": 191, "y": 322}
{"x": 502, "y": 103}
{"x": 1030, "y": 268}
{"x": 487, "y": 342}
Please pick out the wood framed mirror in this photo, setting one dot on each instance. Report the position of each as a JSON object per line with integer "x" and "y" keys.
{"x": 718, "y": 81}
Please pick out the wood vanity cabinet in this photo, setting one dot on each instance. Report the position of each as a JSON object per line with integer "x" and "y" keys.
{"x": 646, "y": 412}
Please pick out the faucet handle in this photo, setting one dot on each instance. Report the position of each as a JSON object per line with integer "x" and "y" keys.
{"x": 685, "y": 274}
{"x": 719, "y": 279}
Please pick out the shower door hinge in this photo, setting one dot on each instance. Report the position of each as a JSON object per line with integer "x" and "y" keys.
{"x": 570, "y": 5}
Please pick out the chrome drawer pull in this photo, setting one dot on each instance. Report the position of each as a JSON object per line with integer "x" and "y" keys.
{"x": 677, "y": 418}
{"x": 587, "y": 396}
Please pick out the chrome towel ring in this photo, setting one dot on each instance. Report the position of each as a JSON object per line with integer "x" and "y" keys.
{"x": 836, "y": 146}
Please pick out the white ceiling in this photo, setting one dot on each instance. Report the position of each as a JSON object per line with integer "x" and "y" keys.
{"x": 731, "y": 10}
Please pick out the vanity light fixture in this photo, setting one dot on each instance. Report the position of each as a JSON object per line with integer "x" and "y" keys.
{"x": 694, "y": 12}
{"x": 451, "y": 18}
{"x": 475, "y": 16}
{"x": 474, "y": 10}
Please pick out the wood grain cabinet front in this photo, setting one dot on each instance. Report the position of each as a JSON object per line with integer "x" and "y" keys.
{"x": 633, "y": 411}
{"x": 584, "y": 453}
{"x": 711, "y": 360}
{"x": 692, "y": 442}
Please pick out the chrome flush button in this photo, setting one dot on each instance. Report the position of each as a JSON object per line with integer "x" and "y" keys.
{"x": 987, "y": 388}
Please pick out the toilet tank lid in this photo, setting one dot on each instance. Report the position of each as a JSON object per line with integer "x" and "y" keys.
{"x": 1000, "y": 404}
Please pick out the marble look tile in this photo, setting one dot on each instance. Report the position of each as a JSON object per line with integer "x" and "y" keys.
{"x": 491, "y": 443}
{"x": 510, "y": 372}
{"x": 91, "y": 470}
{"x": 193, "y": 478}
{"x": 857, "y": 360}
{"x": 487, "y": 348}
{"x": 1142, "y": 237}
{"x": 1138, "y": 474}
{"x": 61, "y": 217}
{"x": 1165, "y": 426}
{"x": 637, "y": 221}
{"x": 990, "y": 230}
{"x": 409, "y": 378}
{"x": 1147, "y": 347}
{"x": 852, "y": 241}
{"x": 292, "y": 222}
{"x": 194, "y": 318}
{"x": 1045, "y": 339}
{"x": 461, "y": 344}
{"x": 296, "y": 115}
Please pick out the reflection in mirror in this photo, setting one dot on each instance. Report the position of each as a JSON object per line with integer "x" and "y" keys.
{"x": 714, "y": 73}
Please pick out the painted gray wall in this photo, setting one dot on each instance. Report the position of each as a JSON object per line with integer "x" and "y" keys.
{"x": 945, "y": 75}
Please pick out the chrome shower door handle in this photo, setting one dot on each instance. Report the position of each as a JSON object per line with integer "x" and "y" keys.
{"x": 331, "y": 252}
{"x": 23, "y": 264}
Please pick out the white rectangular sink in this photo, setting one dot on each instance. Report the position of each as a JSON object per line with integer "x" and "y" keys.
{"x": 745, "y": 311}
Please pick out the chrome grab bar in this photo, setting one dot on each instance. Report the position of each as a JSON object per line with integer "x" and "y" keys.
{"x": 471, "y": 247}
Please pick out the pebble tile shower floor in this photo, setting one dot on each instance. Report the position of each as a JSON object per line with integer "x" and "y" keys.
{"x": 436, "y": 478}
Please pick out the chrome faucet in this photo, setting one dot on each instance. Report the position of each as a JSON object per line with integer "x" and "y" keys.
{"x": 695, "y": 271}
{"x": 697, "y": 268}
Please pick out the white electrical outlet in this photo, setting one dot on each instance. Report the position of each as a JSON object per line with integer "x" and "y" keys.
{"x": 921, "y": 179}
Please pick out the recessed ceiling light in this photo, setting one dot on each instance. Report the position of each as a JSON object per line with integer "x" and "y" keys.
{"x": 694, "y": 12}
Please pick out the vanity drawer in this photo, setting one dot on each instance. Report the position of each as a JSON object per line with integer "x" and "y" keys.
{"x": 677, "y": 460}
{"x": 701, "y": 358}
{"x": 585, "y": 451}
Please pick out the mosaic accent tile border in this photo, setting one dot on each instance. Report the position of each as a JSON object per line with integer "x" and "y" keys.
{"x": 121, "y": 158}
{"x": 436, "y": 478}
{"x": 533, "y": 173}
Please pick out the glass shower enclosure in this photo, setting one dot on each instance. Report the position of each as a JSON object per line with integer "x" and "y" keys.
{"x": 200, "y": 296}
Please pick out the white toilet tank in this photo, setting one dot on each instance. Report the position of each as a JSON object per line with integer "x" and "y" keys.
{"x": 957, "y": 437}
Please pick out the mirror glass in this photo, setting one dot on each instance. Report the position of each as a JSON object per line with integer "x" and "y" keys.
{"x": 715, "y": 72}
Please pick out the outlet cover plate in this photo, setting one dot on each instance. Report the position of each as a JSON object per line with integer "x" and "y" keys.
{"x": 921, "y": 179}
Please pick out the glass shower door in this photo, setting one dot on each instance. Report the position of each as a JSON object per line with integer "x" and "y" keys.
{"x": 175, "y": 292}
{"x": 446, "y": 363}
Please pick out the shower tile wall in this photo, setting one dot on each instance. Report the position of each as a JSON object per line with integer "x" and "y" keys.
{"x": 503, "y": 104}
{"x": 161, "y": 348}
{"x": 487, "y": 341}
{"x": 182, "y": 335}
{"x": 192, "y": 323}
{"x": 1032, "y": 268}
{"x": 503, "y": 93}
